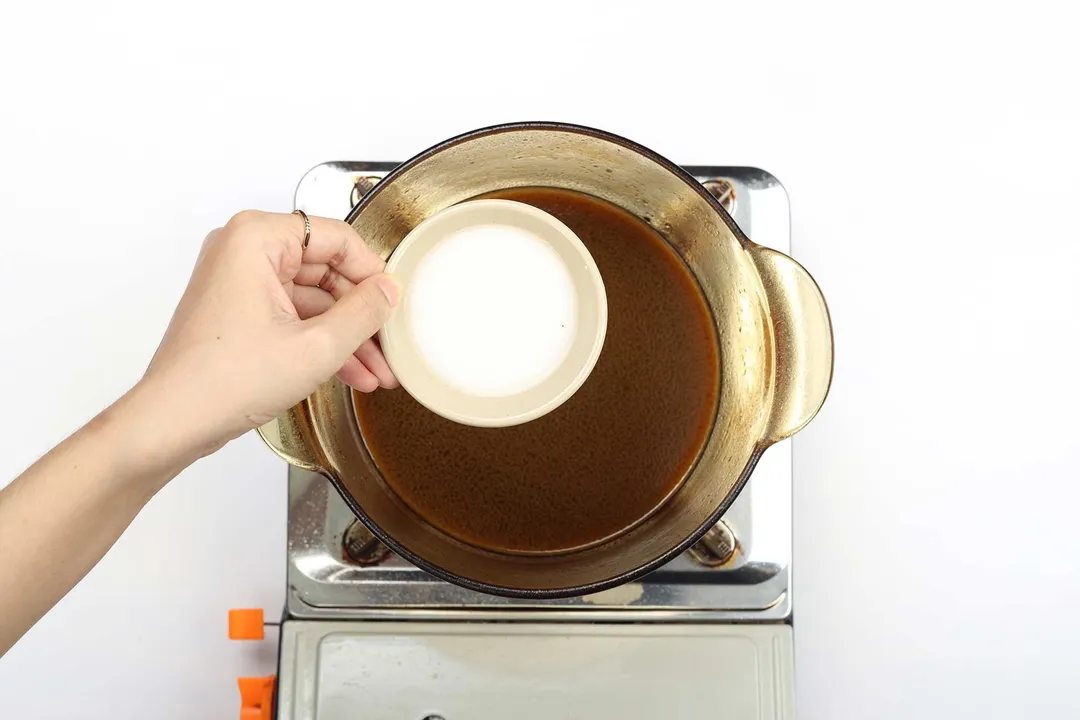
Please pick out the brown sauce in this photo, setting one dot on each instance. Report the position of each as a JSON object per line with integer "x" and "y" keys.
{"x": 607, "y": 457}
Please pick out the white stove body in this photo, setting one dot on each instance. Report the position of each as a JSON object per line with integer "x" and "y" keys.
{"x": 345, "y": 670}
{"x": 390, "y": 641}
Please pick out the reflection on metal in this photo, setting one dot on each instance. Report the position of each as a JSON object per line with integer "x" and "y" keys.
{"x": 724, "y": 191}
{"x": 362, "y": 547}
{"x": 716, "y": 548}
{"x": 362, "y": 186}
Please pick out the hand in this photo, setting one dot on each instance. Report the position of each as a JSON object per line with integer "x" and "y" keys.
{"x": 263, "y": 323}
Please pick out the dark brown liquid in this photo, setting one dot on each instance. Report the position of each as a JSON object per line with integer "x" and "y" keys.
{"x": 607, "y": 457}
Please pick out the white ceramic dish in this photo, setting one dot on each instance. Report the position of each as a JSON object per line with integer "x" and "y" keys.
{"x": 503, "y": 313}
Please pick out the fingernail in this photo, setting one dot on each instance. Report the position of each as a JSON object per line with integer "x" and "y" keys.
{"x": 391, "y": 288}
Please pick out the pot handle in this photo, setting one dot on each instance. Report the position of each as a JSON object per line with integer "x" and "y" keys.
{"x": 803, "y": 341}
{"x": 286, "y": 435}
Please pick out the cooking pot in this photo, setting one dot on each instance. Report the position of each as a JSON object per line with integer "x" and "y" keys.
{"x": 772, "y": 325}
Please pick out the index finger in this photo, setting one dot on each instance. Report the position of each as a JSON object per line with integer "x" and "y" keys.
{"x": 332, "y": 243}
{"x": 336, "y": 243}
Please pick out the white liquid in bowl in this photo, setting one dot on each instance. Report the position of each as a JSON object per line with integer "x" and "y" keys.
{"x": 492, "y": 309}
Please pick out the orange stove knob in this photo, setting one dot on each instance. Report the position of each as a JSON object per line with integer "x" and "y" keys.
{"x": 246, "y": 624}
{"x": 256, "y": 697}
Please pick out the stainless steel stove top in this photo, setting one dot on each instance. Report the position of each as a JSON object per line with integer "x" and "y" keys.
{"x": 740, "y": 572}
{"x": 365, "y": 634}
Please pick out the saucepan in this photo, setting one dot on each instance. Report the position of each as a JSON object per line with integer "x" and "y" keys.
{"x": 771, "y": 321}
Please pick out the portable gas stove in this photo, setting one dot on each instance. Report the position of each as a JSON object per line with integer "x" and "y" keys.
{"x": 365, "y": 634}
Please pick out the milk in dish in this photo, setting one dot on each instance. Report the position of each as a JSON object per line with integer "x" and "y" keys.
{"x": 492, "y": 310}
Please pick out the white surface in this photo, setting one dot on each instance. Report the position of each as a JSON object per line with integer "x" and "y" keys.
{"x": 492, "y": 309}
{"x": 930, "y": 151}
{"x": 538, "y": 672}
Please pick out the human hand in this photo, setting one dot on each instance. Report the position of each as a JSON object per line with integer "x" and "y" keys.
{"x": 263, "y": 322}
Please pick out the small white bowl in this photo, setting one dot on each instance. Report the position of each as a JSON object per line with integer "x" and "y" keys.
{"x": 481, "y": 335}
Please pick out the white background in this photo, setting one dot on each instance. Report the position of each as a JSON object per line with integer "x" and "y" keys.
{"x": 930, "y": 152}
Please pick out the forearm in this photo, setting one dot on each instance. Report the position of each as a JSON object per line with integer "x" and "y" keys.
{"x": 254, "y": 334}
{"x": 64, "y": 513}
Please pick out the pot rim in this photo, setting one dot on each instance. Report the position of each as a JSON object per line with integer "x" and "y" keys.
{"x": 668, "y": 165}
{"x": 547, "y": 593}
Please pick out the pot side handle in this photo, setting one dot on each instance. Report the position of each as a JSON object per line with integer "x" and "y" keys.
{"x": 802, "y": 333}
{"x": 286, "y": 435}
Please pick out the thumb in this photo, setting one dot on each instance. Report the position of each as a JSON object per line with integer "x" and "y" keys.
{"x": 356, "y": 316}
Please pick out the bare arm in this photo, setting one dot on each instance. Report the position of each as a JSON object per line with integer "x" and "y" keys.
{"x": 60, "y": 517}
{"x": 261, "y": 324}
